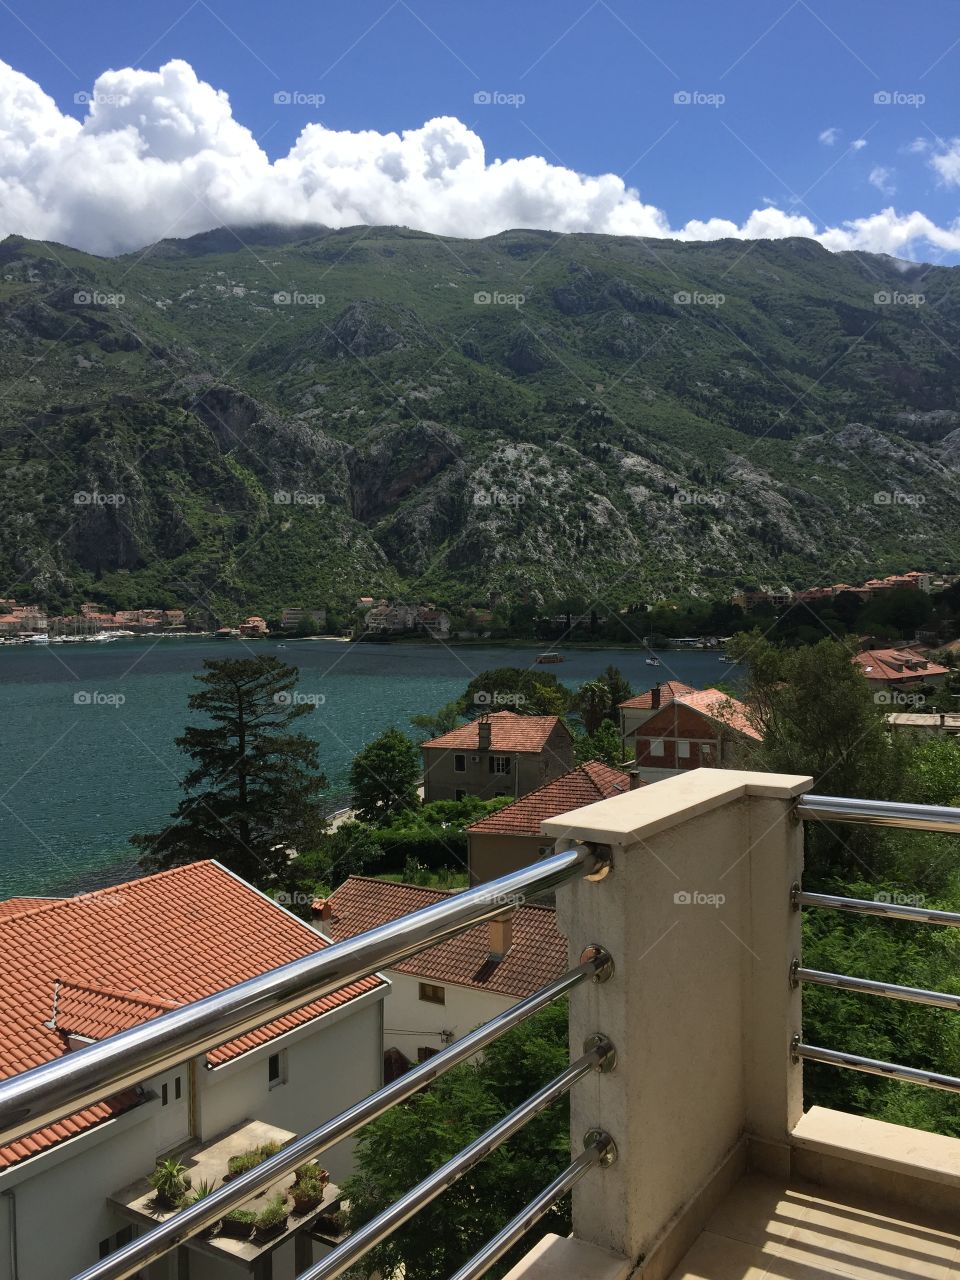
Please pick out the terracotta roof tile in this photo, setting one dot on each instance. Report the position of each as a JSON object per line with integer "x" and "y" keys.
{"x": 890, "y": 665}
{"x": 719, "y": 706}
{"x": 581, "y": 786}
{"x": 126, "y": 954}
{"x": 538, "y": 953}
{"x": 508, "y": 732}
{"x": 17, "y": 906}
{"x": 669, "y": 689}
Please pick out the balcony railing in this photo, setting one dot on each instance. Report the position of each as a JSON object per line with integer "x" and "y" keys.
{"x": 48, "y": 1093}
{"x": 877, "y": 813}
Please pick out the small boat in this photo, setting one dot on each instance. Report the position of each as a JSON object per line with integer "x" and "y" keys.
{"x": 43, "y": 638}
{"x": 549, "y": 657}
{"x": 733, "y": 661}
{"x": 653, "y": 662}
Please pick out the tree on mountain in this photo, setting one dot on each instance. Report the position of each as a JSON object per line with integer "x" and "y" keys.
{"x": 384, "y": 777}
{"x": 592, "y": 701}
{"x": 404, "y": 1145}
{"x": 255, "y": 791}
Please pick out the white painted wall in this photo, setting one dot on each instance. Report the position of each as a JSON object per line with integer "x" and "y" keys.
{"x": 409, "y": 1022}
{"x": 61, "y": 1196}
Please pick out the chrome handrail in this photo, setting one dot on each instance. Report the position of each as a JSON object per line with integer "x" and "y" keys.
{"x": 59, "y": 1088}
{"x": 880, "y": 813}
{"x": 871, "y": 907}
{"x": 873, "y": 1066}
{"x": 869, "y": 987}
{"x": 146, "y": 1249}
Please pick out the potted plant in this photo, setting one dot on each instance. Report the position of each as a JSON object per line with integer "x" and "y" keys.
{"x": 200, "y": 1192}
{"x": 171, "y": 1182}
{"x": 238, "y": 1223}
{"x": 271, "y": 1220}
{"x": 312, "y": 1169}
{"x": 248, "y": 1160}
{"x": 308, "y": 1188}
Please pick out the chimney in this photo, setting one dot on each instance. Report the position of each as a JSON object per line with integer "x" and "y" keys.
{"x": 635, "y": 779}
{"x": 321, "y": 910}
{"x": 483, "y": 731}
{"x": 500, "y": 934}
{"x": 655, "y": 697}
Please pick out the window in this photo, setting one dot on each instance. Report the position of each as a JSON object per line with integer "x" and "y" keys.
{"x": 656, "y": 746}
{"x": 177, "y": 1090}
{"x": 165, "y": 1091}
{"x": 425, "y": 1052}
{"x": 276, "y": 1070}
{"x": 460, "y": 764}
{"x": 432, "y": 994}
{"x": 683, "y": 748}
{"x": 164, "y": 1094}
{"x": 499, "y": 764}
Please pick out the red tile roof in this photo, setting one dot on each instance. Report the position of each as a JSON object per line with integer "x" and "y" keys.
{"x": 581, "y": 786}
{"x": 891, "y": 665}
{"x": 508, "y": 732}
{"x": 121, "y": 956}
{"x": 16, "y": 906}
{"x": 669, "y": 690}
{"x": 719, "y": 706}
{"x": 537, "y": 955}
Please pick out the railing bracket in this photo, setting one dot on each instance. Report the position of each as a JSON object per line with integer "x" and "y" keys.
{"x": 601, "y": 959}
{"x": 795, "y": 1050}
{"x": 600, "y": 1138}
{"x": 606, "y": 1053}
{"x": 795, "y": 895}
{"x": 795, "y": 973}
{"x": 604, "y": 859}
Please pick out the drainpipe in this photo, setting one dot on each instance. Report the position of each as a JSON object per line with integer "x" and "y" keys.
{"x": 11, "y": 1197}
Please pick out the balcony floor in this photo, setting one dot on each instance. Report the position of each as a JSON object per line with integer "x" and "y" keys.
{"x": 765, "y": 1231}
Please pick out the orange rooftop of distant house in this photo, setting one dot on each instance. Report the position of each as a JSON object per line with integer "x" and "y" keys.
{"x": 669, "y": 690}
{"x": 508, "y": 732}
{"x": 584, "y": 785}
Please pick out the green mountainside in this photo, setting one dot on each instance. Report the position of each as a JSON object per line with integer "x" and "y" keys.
{"x": 259, "y": 417}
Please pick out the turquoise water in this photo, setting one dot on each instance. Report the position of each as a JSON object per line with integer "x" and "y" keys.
{"x": 87, "y": 750}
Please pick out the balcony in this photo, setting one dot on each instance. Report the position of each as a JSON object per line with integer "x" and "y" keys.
{"x": 691, "y": 1155}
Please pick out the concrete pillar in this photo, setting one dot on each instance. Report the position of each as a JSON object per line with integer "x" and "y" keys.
{"x": 696, "y": 914}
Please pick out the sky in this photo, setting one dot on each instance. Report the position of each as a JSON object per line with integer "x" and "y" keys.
{"x": 122, "y": 123}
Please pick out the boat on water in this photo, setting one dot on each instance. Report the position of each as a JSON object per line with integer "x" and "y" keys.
{"x": 549, "y": 657}
{"x": 653, "y": 662}
{"x": 732, "y": 661}
{"x": 227, "y": 633}
{"x": 43, "y": 638}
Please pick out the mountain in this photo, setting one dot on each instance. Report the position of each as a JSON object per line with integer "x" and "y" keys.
{"x": 262, "y": 416}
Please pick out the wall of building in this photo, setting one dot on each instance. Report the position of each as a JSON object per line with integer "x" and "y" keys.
{"x": 62, "y": 1196}
{"x": 688, "y": 740}
{"x": 528, "y": 770}
{"x": 410, "y": 1023}
{"x": 492, "y": 855}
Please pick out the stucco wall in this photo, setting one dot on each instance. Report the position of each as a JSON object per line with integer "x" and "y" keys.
{"x": 495, "y": 855}
{"x": 409, "y": 1022}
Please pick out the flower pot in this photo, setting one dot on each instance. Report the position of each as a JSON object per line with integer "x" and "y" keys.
{"x": 304, "y": 1202}
{"x": 261, "y": 1235}
{"x": 236, "y": 1230}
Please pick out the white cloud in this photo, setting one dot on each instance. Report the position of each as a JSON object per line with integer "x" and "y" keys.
{"x": 880, "y": 178}
{"x": 160, "y": 154}
{"x": 858, "y": 144}
{"x": 946, "y": 162}
{"x": 829, "y": 136}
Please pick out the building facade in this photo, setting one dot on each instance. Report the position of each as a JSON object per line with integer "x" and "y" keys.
{"x": 501, "y": 754}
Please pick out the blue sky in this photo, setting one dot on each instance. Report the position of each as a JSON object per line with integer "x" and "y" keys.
{"x": 788, "y": 116}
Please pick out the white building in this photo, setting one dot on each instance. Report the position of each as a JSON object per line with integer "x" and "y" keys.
{"x": 78, "y": 970}
{"x": 442, "y": 993}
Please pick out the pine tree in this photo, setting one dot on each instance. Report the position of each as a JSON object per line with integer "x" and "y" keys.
{"x": 254, "y": 792}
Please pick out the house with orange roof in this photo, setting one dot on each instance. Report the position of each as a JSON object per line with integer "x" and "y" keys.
{"x": 642, "y": 706}
{"x": 701, "y": 728}
{"x": 512, "y": 838}
{"x": 903, "y": 668}
{"x": 74, "y": 971}
{"x": 444, "y": 992}
{"x": 499, "y": 754}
